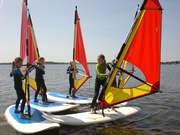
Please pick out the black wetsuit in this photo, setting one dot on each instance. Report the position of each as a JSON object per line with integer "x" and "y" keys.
{"x": 71, "y": 80}
{"x": 40, "y": 83}
{"x": 18, "y": 77}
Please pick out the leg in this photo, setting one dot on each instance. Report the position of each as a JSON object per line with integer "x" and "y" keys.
{"x": 37, "y": 91}
{"x": 17, "y": 105}
{"x": 44, "y": 96}
{"x": 103, "y": 83}
{"x": 23, "y": 115}
{"x": 23, "y": 97}
{"x": 70, "y": 85}
{"x": 96, "y": 92}
{"x": 18, "y": 99}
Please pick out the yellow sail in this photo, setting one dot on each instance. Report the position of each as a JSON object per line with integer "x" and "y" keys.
{"x": 142, "y": 50}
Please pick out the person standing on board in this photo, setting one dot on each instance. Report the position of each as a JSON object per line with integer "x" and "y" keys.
{"x": 70, "y": 71}
{"x": 100, "y": 80}
{"x": 19, "y": 75}
{"x": 40, "y": 83}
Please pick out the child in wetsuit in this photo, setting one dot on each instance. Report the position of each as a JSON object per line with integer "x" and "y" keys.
{"x": 70, "y": 71}
{"x": 100, "y": 80}
{"x": 18, "y": 77}
{"x": 40, "y": 83}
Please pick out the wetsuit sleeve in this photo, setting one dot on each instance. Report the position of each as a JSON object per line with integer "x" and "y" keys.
{"x": 68, "y": 70}
{"x": 109, "y": 67}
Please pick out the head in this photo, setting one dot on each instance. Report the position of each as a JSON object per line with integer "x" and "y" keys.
{"x": 42, "y": 60}
{"x": 101, "y": 59}
{"x": 18, "y": 62}
{"x": 71, "y": 63}
{"x": 114, "y": 61}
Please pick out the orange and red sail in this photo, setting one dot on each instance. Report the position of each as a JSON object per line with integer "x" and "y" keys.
{"x": 79, "y": 53}
{"x": 142, "y": 49}
{"x": 28, "y": 47}
{"x": 145, "y": 48}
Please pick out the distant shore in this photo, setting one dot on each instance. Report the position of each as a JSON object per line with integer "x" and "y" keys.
{"x": 51, "y": 62}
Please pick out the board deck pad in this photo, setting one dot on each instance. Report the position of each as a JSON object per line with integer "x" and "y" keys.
{"x": 86, "y": 118}
{"x": 51, "y": 107}
{"x": 59, "y": 97}
{"x": 36, "y": 124}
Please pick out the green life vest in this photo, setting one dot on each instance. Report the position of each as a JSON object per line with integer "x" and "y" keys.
{"x": 101, "y": 71}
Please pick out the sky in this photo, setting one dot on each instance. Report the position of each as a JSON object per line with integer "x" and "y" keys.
{"x": 104, "y": 23}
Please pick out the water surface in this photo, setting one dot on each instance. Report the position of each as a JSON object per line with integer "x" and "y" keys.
{"x": 160, "y": 114}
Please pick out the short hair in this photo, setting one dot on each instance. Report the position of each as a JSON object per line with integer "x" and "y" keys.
{"x": 101, "y": 56}
{"x": 41, "y": 58}
{"x": 18, "y": 60}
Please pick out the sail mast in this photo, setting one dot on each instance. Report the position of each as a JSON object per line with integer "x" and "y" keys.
{"x": 27, "y": 92}
{"x": 74, "y": 44}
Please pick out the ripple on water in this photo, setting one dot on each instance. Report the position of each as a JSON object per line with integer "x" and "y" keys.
{"x": 160, "y": 114}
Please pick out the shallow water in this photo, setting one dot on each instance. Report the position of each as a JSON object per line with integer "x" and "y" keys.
{"x": 160, "y": 114}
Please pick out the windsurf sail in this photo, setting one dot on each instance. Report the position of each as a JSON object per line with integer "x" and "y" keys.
{"x": 142, "y": 51}
{"x": 79, "y": 54}
{"x": 28, "y": 46}
{"x": 29, "y": 51}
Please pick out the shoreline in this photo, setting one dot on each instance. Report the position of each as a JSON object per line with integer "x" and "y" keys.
{"x": 56, "y": 63}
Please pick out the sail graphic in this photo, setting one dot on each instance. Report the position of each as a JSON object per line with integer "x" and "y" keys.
{"x": 79, "y": 54}
{"x": 141, "y": 49}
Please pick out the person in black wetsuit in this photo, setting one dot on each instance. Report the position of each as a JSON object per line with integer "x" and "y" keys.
{"x": 39, "y": 78}
{"x": 18, "y": 77}
{"x": 70, "y": 71}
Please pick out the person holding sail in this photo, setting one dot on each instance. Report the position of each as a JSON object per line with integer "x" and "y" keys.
{"x": 101, "y": 76}
{"x": 39, "y": 78}
{"x": 19, "y": 74}
{"x": 71, "y": 69}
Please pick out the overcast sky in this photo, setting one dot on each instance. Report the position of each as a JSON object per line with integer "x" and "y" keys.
{"x": 104, "y": 23}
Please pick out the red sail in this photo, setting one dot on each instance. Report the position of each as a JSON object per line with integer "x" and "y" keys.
{"x": 144, "y": 51}
{"x": 33, "y": 53}
{"x": 27, "y": 28}
{"x": 80, "y": 54}
{"x": 23, "y": 32}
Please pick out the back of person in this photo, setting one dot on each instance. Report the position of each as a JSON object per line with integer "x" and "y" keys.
{"x": 17, "y": 78}
{"x": 41, "y": 86}
{"x": 39, "y": 73}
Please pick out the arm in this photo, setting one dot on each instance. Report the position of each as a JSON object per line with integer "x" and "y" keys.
{"x": 68, "y": 70}
{"x": 13, "y": 69}
{"x": 109, "y": 67}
